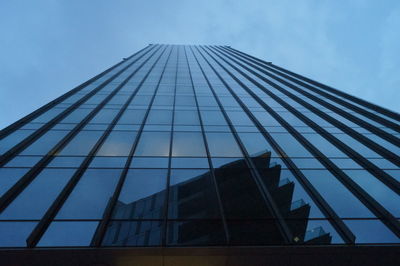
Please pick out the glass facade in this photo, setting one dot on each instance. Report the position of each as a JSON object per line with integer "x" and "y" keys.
{"x": 200, "y": 146}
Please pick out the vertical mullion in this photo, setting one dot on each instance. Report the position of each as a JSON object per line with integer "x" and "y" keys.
{"x": 166, "y": 209}
{"x": 62, "y": 197}
{"x": 336, "y": 222}
{"x": 102, "y": 228}
{"x": 24, "y": 181}
{"x": 286, "y": 234}
{"x": 211, "y": 167}
{"x": 370, "y": 167}
{"x": 42, "y": 130}
{"x": 321, "y": 86}
{"x": 360, "y": 193}
{"x": 336, "y": 99}
{"x": 14, "y": 126}
{"x": 376, "y": 130}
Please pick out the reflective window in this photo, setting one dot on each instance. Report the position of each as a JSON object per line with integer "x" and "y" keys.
{"x": 255, "y": 143}
{"x": 14, "y": 234}
{"x": 91, "y": 195}
{"x": 149, "y": 162}
{"x": 23, "y": 161}
{"x": 140, "y": 233}
{"x": 189, "y": 163}
{"x": 142, "y": 195}
{"x": 186, "y": 118}
{"x": 82, "y": 143}
{"x": 63, "y": 161}
{"x": 240, "y": 118}
{"x": 337, "y": 195}
{"x": 48, "y": 115}
{"x": 104, "y": 116}
{"x": 213, "y": 118}
{"x": 223, "y": 145}
{"x": 9, "y": 176}
{"x": 196, "y": 233}
{"x": 188, "y": 144}
{"x": 290, "y": 145}
{"x": 64, "y": 234}
{"x": 43, "y": 145}
{"x": 132, "y": 117}
{"x": 13, "y": 139}
{"x": 371, "y": 231}
{"x": 34, "y": 201}
{"x": 379, "y": 191}
{"x": 76, "y": 116}
{"x": 108, "y": 162}
{"x": 192, "y": 195}
{"x": 159, "y": 117}
{"x": 153, "y": 144}
{"x": 118, "y": 143}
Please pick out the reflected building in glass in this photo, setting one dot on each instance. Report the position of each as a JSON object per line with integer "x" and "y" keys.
{"x": 201, "y": 146}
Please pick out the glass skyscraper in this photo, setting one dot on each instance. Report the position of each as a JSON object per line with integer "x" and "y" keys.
{"x": 200, "y": 146}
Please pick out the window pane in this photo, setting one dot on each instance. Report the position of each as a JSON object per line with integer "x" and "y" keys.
{"x": 196, "y": 233}
{"x": 108, "y": 162}
{"x": 23, "y": 161}
{"x": 82, "y": 143}
{"x": 159, "y": 117}
{"x": 91, "y": 195}
{"x": 153, "y": 144}
{"x": 255, "y": 143}
{"x": 371, "y": 231}
{"x": 192, "y": 195}
{"x": 61, "y": 161}
{"x": 188, "y": 144}
{"x": 9, "y": 176}
{"x": 143, "y": 195}
{"x": 104, "y": 116}
{"x": 222, "y": 144}
{"x": 189, "y": 163}
{"x": 13, "y": 139}
{"x": 14, "y": 234}
{"x": 141, "y": 233}
{"x": 34, "y": 201}
{"x": 337, "y": 195}
{"x": 118, "y": 143}
{"x": 151, "y": 162}
{"x": 76, "y": 116}
{"x": 43, "y": 145}
{"x": 68, "y": 234}
{"x": 213, "y": 118}
{"x": 186, "y": 118}
{"x": 132, "y": 117}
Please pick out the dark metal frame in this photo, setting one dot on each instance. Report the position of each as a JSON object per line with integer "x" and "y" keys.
{"x": 321, "y": 86}
{"x": 360, "y": 193}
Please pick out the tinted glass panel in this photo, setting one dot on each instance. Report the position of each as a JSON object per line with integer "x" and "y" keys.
{"x": 142, "y": 195}
{"x": 34, "y": 201}
{"x": 9, "y": 176}
{"x": 118, "y": 143}
{"x": 82, "y": 143}
{"x": 68, "y": 234}
{"x": 91, "y": 195}
{"x": 14, "y": 234}
{"x": 43, "y": 145}
{"x": 188, "y": 144}
{"x": 141, "y": 233}
{"x": 153, "y": 144}
{"x": 13, "y": 139}
{"x": 223, "y": 144}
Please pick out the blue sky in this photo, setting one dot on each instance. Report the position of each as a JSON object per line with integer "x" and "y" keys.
{"x": 49, "y": 47}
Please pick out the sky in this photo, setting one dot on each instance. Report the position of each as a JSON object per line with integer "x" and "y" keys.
{"x": 49, "y": 47}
